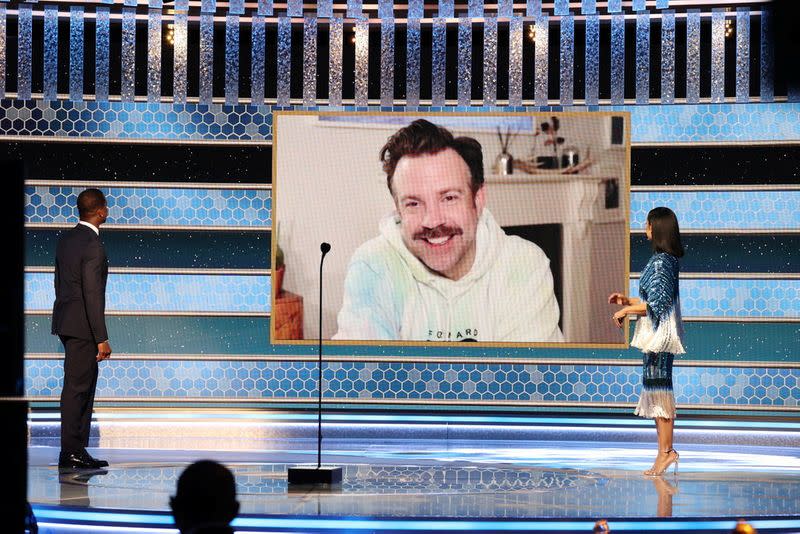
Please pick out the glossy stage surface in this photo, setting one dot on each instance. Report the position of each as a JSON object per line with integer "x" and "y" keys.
{"x": 440, "y": 486}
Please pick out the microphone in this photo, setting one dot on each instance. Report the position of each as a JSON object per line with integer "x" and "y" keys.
{"x": 325, "y": 248}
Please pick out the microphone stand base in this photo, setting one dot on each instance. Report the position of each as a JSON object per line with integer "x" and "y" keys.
{"x": 311, "y": 475}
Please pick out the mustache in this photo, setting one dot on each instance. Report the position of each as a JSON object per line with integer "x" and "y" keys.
{"x": 442, "y": 230}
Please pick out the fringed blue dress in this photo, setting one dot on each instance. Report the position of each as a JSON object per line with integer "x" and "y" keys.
{"x": 659, "y": 335}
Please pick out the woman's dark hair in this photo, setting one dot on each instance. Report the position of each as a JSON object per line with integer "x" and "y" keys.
{"x": 423, "y": 137}
{"x": 666, "y": 233}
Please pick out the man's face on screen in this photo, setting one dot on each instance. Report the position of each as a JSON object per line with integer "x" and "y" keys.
{"x": 438, "y": 212}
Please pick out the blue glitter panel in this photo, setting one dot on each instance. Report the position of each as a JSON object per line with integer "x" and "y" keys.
{"x": 718, "y": 55}
{"x": 128, "y": 62}
{"x": 154, "y": 55}
{"x": 713, "y": 210}
{"x": 413, "y": 40}
{"x": 618, "y": 59}
{"x": 231, "y": 60}
{"x": 742, "y": 54}
{"x": 101, "y": 54}
{"x": 693, "y": 56}
{"x": 165, "y": 293}
{"x": 50, "y": 75}
{"x": 158, "y": 4}
{"x": 515, "y": 41}
{"x": 561, "y": 8}
{"x": 475, "y": 8}
{"x": 309, "y": 61}
{"x": 181, "y": 5}
{"x": 362, "y": 62}
{"x": 668, "y": 57}
{"x": 264, "y": 8}
{"x": 465, "y": 60}
{"x": 490, "y": 61}
{"x": 76, "y": 53}
{"x": 567, "y": 60}
{"x": 233, "y": 380}
{"x": 284, "y": 60}
{"x": 208, "y": 7}
{"x": 643, "y": 58}
{"x": 24, "y": 51}
{"x": 335, "y": 29}
{"x": 206, "y": 58}
{"x": 249, "y": 208}
{"x": 325, "y": 9}
{"x": 416, "y": 9}
{"x": 533, "y": 8}
{"x": 592, "y": 60}
{"x": 505, "y": 8}
{"x": 614, "y": 6}
{"x": 354, "y": 9}
{"x": 386, "y": 9}
{"x": 588, "y": 7}
{"x": 179, "y": 59}
{"x": 257, "y": 60}
{"x": 387, "y": 62}
{"x": 767, "y": 71}
{"x": 236, "y": 7}
{"x": 737, "y": 298}
{"x": 438, "y": 68}
{"x": 662, "y": 4}
{"x": 294, "y": 8}
{"x": 446, "y": 9}
{"x": 541, "y": 59}
{"x": 639, "y": 5}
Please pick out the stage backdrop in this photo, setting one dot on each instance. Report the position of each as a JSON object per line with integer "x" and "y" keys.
{"x": 182, "y": 145}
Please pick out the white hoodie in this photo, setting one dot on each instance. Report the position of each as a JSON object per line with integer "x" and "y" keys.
{"x": 506, "y": 296}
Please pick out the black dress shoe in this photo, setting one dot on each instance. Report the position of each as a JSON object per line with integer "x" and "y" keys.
{"x": 75, "y": 461}
{"x": 97, "y": 463}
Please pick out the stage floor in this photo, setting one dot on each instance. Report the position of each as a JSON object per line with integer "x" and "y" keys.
{"x": 486, "y": 482}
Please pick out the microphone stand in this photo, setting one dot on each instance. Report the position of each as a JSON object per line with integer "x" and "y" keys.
{"x": 309, "y": 475}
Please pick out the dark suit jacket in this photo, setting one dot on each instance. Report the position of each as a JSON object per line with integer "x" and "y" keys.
{"x": 80, "y": 280}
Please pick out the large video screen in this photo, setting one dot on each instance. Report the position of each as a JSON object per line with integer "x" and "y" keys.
{"x": 445, "y": 228}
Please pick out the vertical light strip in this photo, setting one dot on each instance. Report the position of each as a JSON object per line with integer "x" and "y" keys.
{"x": 533, "y": 8}
{"x": 767, "y": 74}
{"x": 490, "y": 61}
{"x": 668, "y": 57}
{"x": 614, "y": 6}
{"x": 416, "y": 9}
{"x": 257, "y": 60}
{"x": 567, "y": 60}
{"x": 387, "y": 62}
{"x": 309, "y": 61}
{"x": 592, "y": 89}
{"x": 154, "y": 55}
{"x": 354, "y": 9}
{"x": 505, "y": 8}
{"x": 718, "y": 55}
{"x": 413, "y": 29}
{"x": 386, "y": 9}
{"x": 206, "y": 58}
{"x": 465, "y": 60}
{"x": 231, "y": 59}
{"x": 643, "y": 58}
{"x": 335, "y": 61}
{"x": 476, "y": 8}
{"x": 515, "y": 37}
{"x": 542, "y": 30}
{"x": 179, "y": 58}
{"x": 362, "y": 62}
{"x": 284, "y": 60}
{"x": 439, "y": 62}
{"x": 50, "y": 74}
{"x": 588, "y": 7}
{"x": 102, "y": 41}
{"x": 3, "y": 50}
{"x": 561, "y": 8}
{"x": 743, "y": 54}
{"x": 618, "y": 59}
{"x": 446, "y": 9}
{"x": 693, "y": 56}
{"x": 128, "y": 64}
{"x": 324, "y": 9}
{"x": 294, "y": 8}
{"x": 76, "y": 36}
{"x": 24, "y": 51}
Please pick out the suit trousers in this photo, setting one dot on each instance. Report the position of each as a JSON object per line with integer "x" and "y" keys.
{"x": 77, "y": 395}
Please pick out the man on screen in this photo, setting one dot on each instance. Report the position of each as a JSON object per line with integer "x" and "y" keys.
{"x": 442, "y": 269}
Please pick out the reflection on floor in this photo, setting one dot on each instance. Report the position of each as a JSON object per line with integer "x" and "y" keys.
{"x": 483, "y": 481}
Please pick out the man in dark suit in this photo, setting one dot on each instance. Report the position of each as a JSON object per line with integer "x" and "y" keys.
{"x": 79, "y": 321}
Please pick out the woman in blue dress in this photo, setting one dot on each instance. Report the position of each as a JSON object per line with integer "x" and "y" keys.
{"x": 659, "y": 330}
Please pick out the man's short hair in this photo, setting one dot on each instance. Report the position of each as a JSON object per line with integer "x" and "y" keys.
{"x": 89, "y": 201}
{"x": 423, "y": 137}
{"x": 206, "y": 493}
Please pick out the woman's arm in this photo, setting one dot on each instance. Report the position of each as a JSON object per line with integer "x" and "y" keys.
{"x": 640, "y": 308}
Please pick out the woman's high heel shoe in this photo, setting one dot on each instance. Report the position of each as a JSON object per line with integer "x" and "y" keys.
{"x": 652, "y": 472}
